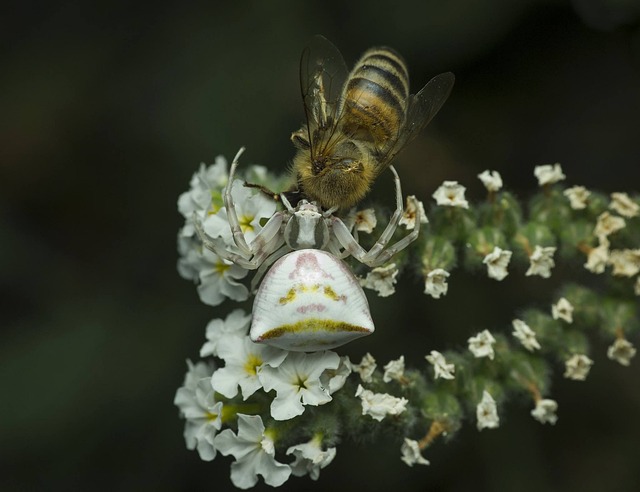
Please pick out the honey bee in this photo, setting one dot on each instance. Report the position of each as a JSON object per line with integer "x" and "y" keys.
{"x": 357, "y": 121}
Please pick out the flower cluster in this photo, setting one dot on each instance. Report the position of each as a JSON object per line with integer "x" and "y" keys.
{"x": 282, "y": 412}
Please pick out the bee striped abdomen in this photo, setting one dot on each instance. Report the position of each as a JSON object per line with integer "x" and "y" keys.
{"x": 375, "y": 96}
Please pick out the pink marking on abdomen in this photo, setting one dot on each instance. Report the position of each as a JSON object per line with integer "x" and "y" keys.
{"x": 308, "y": 261}
{"x": 311, "y": 308}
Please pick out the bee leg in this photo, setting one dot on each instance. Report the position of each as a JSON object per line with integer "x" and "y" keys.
{"x": 271, "y": 194}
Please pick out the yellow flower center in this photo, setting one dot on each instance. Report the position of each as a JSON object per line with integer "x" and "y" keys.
{"x": 245, "y": 223}
{"x": 252, "y": 364}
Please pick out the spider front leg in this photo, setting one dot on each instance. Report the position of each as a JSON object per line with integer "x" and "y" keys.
{"x": 232, "y": 215}
{"x": 378, "y": 255}
{"x": 268, "y": 240}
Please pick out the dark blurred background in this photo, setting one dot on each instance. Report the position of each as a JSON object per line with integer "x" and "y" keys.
{"x": 107, "y": 109}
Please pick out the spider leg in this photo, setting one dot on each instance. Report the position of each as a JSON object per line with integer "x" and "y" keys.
{"x": 232, "y": 216}
{"x": 391, "y": 226}
{"x": 377, "y": 255}
{"x": 386, "y": 254}
{"x": 278, "y": 253}
{"x": 217, "y": 246}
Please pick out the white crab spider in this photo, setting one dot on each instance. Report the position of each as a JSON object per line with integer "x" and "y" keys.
{"x": 309, "y": 299}
{"x": 303, "y": 227}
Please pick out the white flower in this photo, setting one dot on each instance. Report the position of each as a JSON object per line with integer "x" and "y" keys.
{"x": 297, "y": 382}
{"x": 548, "y": 174}
{"x": 410, "y": 213}
{"x": 451, "y": 194}
{"x": 626, "y": 262}
{"x": 365, "y": 220}
{"x": 366, "y": 367}
{"x": 562, "y": 310}
{"x": 577, "y": 196}
{"x": 197, "y": 404}
{"x": 382, "y": 280}
{"x": 394, "y": 370}
{"x": 598, "y": 257}
{"x": 497, "y": 262}
{"x": 577, "y": 367}
{"x": 379, "y": 405}
{"x": 411, "y": 453}
{"x": 440, "y": 366}
{"x": 334, "y": 379}
{"x": 525, "y": 334}
{"x": 251, "y": 205}
{"x": 545, "y": 411}
{"x": 621, "y": 203}
{"x": 254, "y": 451}
{"x": 608, "y": 224}
{"x": 243, "y": 358}
{"x": 436, "y": 283}
{"x": 541, "y": 261}
{"x": 219, "y": 280}
{"x": 205, "y": 192}
{"x": 482, "y": 344}
{"x": 235, "y": 324}
{"x": 491, "y": 180}
{"x": 310, "y": 457}
{"x": 622, "y": 351}
{"x": 487, "y": 412}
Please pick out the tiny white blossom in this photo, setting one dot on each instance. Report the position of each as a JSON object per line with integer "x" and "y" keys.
{"x": 487, "y": 412}
{"x": 625, "y": 262}
{"x": 379, "y": 405}
{"x": 563, "y": 309}
{"x": 297, "y": 382}
{"x": 525, "y": 334}
{"x": 310, "y": 458}
{"x": 482, "y": 344}
{"x": 622, "y": 351}
{"x": 235, "y": 324}
{"x": 382, "y": 280}
{"x": 365, "y": 220}
{"x": 577, "y": 367}
{"x": 254, "y": 451}
{"x": 436, "y": 283}
{"x": 548, "y": 174}
{"x": 205, "y": 192}
{"x": 541, "y": 261}
{"x": 440, "y": 366}
{"x": 410, "y": 213}
{"x": 451, "y": 194}
{"x": 411, "y": 453}
{"x": 624, "y": 205}
{"x": 334, "y": 379}
{"x": 491, "y": 180}
{"x": 497, "y": 262}
{"x": 577, "y": 196}
{"x": 545, "y": 411}
{"x": 202, "y": 413}
{"x": 243, "y": 358}
{"x": 219, "y": 280}
{"x": 394, "y": 370}
{"x": 366, "y": 367}
{"x": 608, "y": 224}
{"x": 598, "y": 257}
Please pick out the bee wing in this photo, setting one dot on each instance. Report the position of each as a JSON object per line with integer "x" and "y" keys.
{"x": 421, "y": 108}
{"x": 323, "y": 72}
